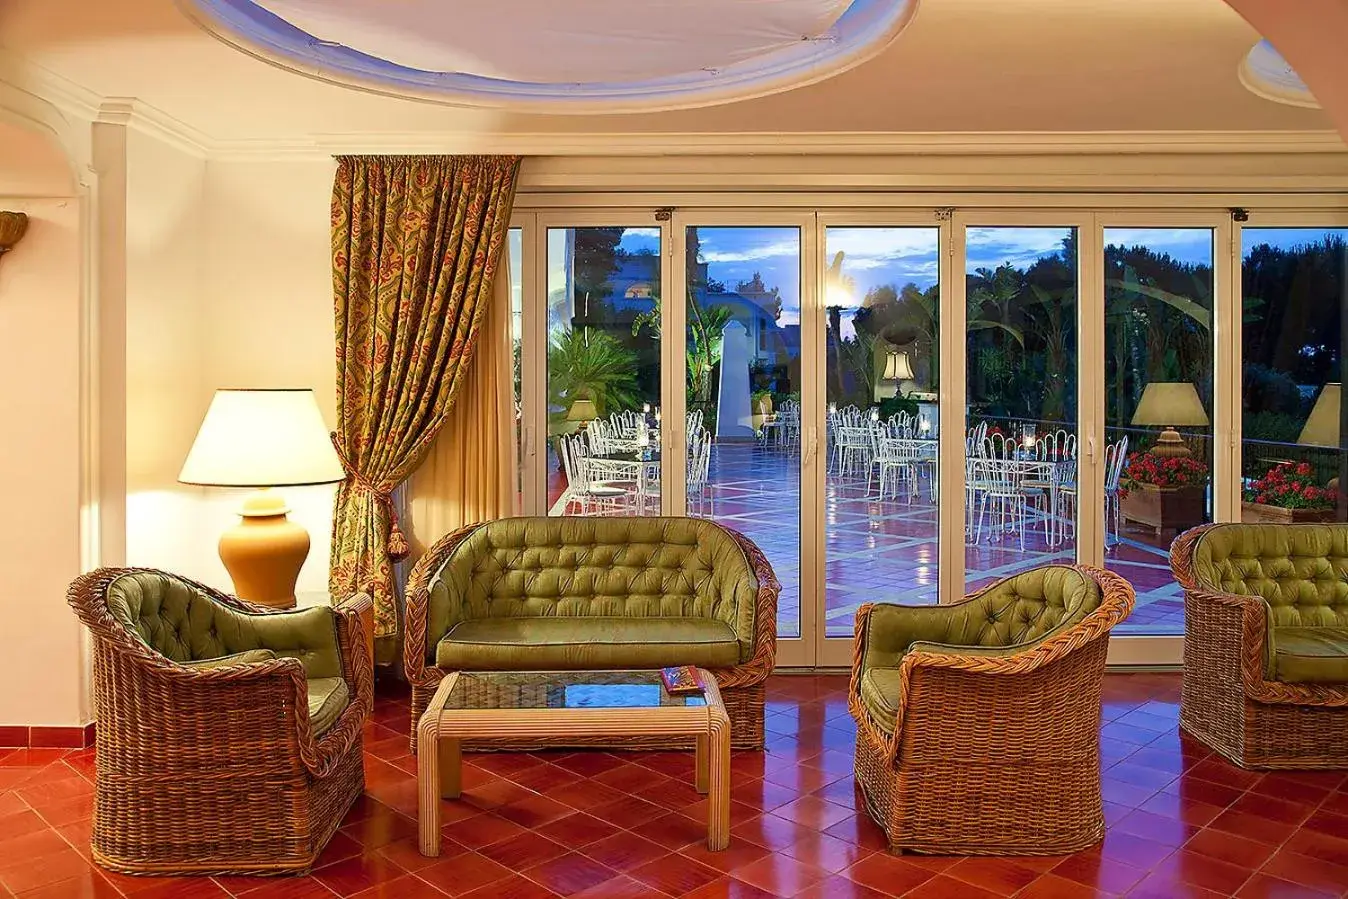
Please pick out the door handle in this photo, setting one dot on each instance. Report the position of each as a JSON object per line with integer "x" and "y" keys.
{"x": 529, "y": 441}
{"x": 811, "y": 446}
{"x": 1090, "y": 447}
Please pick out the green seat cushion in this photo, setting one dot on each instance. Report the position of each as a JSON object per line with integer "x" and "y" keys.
{"x": 238, "y": 658}
{"x": 1310, "y": 655}
{"x": 328, "y": 697}
{"x": 589, "y": 642}
{"x": 880, "y": 696}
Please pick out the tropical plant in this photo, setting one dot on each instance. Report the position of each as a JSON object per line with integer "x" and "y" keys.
{"x": 1291, "y": 487}
{"x": 856, "y": 355}
{"x": 705, "y": 327}
{"x": 591, "y": 364}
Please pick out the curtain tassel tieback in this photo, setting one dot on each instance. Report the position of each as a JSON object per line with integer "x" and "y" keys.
{"x": 398, "y": 547}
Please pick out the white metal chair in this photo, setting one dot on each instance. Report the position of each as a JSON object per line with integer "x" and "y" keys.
{"x": 590, "y": 496}
{"x": 1116, "y": 455}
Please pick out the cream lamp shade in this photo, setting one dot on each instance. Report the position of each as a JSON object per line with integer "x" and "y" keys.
{"x": 1323, "y": 428}
{"x": 582, "y": 410}
{"x": 263, "y": 439}
{"x": 1167, "y": 404}
{"x": 898, "y": 367}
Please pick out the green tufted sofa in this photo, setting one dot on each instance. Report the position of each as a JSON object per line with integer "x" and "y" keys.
{"x": 1266, "y": 642}
{"x": 229, "y": 736}
{"x": 978, "y": 722}
{"x": 548, "y": 594}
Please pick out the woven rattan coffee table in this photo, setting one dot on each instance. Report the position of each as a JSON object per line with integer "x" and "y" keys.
{"x": 565, "y": 708}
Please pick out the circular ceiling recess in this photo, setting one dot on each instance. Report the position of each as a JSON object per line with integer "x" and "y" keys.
{"x": 1266, "y": 73}
{"x": 561, "y": 56}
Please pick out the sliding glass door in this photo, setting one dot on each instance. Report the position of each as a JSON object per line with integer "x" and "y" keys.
{"x": 1022, "y": 441}
{"x": 746, "y": 442}
{"x": 1159, "y": 364}
{"x": 881, "y": 528}
{"x": 906, "y": 405}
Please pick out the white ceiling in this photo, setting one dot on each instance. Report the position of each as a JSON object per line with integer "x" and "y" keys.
{"x": 549, "y": 42}
{"x": 581, "y": 56}
{"x": 960, "y": 66}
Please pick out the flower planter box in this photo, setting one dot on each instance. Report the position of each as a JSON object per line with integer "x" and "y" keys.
{"x": 1260, "y": 513}
{"x": 1163, "y": 508}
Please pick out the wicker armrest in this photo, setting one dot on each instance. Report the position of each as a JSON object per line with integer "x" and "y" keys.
{"x": 418, "y": 600}
{"x": 357, "y": 666}
{"x": 764, "y": 657}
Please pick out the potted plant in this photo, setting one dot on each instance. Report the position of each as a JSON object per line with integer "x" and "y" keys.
{"x": 1165, "y": 494}
{"x": 1288, "y": 494}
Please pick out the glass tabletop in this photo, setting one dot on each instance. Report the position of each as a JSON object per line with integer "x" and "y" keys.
{"x": 564, "y": 690}
{"x": 633, "y": 456}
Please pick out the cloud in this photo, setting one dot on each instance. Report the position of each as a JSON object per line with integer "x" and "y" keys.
{"x": 880, "y": 243}
{"x": 777, "y": 249}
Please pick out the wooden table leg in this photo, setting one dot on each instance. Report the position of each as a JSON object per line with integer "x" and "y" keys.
{"x": 718, "y": 761}
{"x": 701, "y": 758}
{"x": 429, "y": 785}
{"x": 451, "y": 766}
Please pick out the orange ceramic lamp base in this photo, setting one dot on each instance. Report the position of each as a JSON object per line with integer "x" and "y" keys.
{"x": 1170, "y": 445}
{"x": 264, "y": 551}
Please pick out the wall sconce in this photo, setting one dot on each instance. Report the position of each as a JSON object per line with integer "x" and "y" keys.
{"x": 13, "y": 225}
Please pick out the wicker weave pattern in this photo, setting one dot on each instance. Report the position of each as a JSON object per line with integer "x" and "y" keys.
{"x": 742, "y": 686}
{"x": 993, "y": 755}
{"x": 216, "y": 770}
{"x": 1227, "y": 702}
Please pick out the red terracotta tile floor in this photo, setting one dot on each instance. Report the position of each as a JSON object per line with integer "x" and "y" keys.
{"x": 1181, "y": 823}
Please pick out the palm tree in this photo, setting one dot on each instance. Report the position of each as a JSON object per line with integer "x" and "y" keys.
{"x": 591, "y": 364}
{"x": 705, "y": 325}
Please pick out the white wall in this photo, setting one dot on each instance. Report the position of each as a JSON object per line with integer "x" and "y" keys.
{"x": 165, "y": 390}
{"x": 42, "y": 666}
{"x": 268, "y": 315}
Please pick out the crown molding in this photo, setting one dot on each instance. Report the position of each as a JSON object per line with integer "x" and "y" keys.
{"x": 1095, "y": 143}
{"x": 81, "y": 104}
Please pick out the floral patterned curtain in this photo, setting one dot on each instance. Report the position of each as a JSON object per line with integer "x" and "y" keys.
{"x": 416, "y": 241}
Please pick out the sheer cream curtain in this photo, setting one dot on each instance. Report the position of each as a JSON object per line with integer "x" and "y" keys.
{"x": 470, "y": 473}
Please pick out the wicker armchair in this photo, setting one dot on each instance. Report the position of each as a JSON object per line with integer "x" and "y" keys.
{"x": 978, "y": 723}
{"x": 1264, "y": 607}
{"x": 229, "y": 736}
{"x": 535, "y": 573}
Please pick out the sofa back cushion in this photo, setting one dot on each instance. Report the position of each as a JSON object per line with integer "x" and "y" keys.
{"x": 183, "y": 624}
{"x": 1025, "y": 608}
{"x": 595, "y": 567}
{"x": 1300, "y": 570}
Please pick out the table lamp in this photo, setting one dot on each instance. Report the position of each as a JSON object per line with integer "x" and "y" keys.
{"x": 582, "y": 411}
{"x": 1168, "y": 404}
{"x": 1323, "y": 426}
{"x": 263, "y": 439}
{"x": 898, "y": 367}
